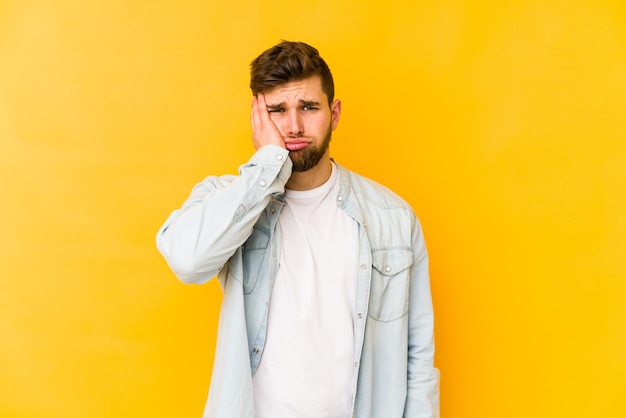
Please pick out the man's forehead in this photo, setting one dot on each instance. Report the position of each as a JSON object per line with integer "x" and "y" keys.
{"x": 278, "y": 102}
{"x": 308, "y": 90}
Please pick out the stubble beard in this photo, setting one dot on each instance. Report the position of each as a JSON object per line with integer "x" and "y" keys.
{"x": 309, "y": 157}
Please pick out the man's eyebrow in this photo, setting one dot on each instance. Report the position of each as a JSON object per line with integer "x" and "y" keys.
{"x": 275, "y": 106}
{"x": 301, "y": 102}
{"x": 309, "y": 103}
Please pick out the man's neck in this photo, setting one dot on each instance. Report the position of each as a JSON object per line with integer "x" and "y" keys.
{"x": 312, "y": 178}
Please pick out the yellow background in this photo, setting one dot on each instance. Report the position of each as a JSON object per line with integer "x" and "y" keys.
{"x": 502, "y": 123}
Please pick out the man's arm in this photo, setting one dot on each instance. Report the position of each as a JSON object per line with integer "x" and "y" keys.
{"x": 217, "y": 218}
{"x": 422, "y": 378}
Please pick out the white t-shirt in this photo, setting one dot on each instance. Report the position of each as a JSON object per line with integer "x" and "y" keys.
{"x": 307, "y": 369}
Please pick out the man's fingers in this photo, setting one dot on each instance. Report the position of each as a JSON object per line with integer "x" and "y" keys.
{"x": 264, "y": 130}
{"x": 261, "y": 102}
{"x": 253, "y": 113}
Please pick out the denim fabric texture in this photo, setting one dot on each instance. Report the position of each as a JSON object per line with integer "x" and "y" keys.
{"x": 228, "y": 227}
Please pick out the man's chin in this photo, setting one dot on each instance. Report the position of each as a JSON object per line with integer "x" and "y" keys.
{"x": 309, "y": 157}
{"x": 300, "y": 165}
{"x": 300, "y": 168}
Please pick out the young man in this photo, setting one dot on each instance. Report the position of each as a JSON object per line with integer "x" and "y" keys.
{"x": 327, "y": 309}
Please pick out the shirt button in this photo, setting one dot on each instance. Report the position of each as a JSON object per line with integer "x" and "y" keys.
{"x": 262, "y": 183}
{"x": 363, "y": 266}
{"x": 360, "y": 315}
{"x": 255, "y": 351}
{"x": 279, "y": 157}
{"x": 273, "y": 211}
{"x": 340, "y": 198}
{"x": 387, "y": 269}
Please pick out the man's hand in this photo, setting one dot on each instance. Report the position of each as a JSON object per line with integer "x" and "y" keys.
{"x": 264, "y": 131}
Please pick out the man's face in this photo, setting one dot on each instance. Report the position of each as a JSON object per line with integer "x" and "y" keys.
{"x": 300, "y": 111}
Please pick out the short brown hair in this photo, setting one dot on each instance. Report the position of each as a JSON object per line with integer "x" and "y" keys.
{"x": 289, "y": 61}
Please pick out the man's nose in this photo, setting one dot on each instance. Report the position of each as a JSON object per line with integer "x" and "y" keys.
{"x": 293, "y": 124}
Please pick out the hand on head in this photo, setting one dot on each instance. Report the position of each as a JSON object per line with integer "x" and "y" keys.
{"x": 264, "y": 130}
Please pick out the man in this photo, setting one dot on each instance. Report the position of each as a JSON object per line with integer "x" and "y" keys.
{"x": 327, "y": 309}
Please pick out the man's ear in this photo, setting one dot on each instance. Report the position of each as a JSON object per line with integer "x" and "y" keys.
{"x": 335, "y": 113}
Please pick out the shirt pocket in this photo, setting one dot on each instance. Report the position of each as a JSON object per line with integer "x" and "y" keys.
{"x": 255, "y": 260}
{"x": 389, "y": 293}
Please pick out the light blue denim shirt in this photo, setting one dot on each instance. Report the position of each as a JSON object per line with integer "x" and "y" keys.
{"x": 228, "y": 227}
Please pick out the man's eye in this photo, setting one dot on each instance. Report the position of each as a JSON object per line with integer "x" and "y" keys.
{"x": 309, "y": 108}
{"x": 277, "y": 110}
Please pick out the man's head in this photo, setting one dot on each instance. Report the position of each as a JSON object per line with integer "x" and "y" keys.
{"x": 293, "y": 84}
{"x": 289, "y": 61}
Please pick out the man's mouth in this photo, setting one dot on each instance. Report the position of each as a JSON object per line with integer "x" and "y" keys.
{"x": 297, "y": 144}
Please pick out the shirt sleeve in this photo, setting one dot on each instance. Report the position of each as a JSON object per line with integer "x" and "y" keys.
{"x": 422, "y": 378}
{"x": 217, "y": 218}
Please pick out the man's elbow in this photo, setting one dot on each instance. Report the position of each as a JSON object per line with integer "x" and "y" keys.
{"x": 183, "y": 263}
{"x": 188, "y": 272}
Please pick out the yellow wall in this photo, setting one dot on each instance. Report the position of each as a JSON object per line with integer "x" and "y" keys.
{"x": 502, "y": 123}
